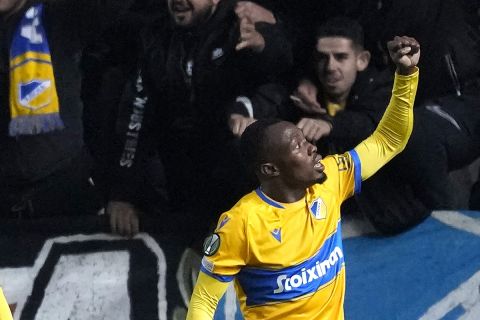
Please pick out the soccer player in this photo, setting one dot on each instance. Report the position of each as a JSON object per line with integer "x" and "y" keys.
{"x": 282, "y": 242}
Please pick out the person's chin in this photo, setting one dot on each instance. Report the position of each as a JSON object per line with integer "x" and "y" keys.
{"x": 182, "y": 20}
{"x": 322, "y": 178}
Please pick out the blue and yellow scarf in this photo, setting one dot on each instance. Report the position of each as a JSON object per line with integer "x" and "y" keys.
{"x": 34, "y": 106}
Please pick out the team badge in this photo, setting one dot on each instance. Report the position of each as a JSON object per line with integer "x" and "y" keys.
{"x": 211, "y": 245}
{"x": 318, "y": 209}
{"x": 34, "y": 94}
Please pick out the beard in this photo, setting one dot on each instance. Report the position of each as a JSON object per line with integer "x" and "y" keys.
{"x": 196, "y": 19}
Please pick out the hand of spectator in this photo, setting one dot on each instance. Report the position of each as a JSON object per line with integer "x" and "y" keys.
{"x": 254, "y": 12}
{"x": 123, "y": 218}
{"x": 250, "y": 38}
{"x": 405, "y": 53}
{"x": 314, "y": 129}
{"x": 238, "y": 123}
{"x": 305, "y": 98}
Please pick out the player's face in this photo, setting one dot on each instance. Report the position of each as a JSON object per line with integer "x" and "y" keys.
{"x": 10, "y": 5}
{"x": 296, "y": 158}
{"x": 337, "y": 65}
{"x": 191, "y": 13}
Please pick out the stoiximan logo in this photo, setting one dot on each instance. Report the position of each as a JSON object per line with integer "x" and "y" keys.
{"x": 211, "y": 245}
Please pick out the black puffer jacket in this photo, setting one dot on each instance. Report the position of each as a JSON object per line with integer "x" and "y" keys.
{"x": 69, "y": 24}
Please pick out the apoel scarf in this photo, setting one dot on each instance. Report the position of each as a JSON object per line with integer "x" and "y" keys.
{"x": 34, "y": 106}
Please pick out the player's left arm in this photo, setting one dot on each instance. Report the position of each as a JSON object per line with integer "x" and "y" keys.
{"x": 393, "y": 131}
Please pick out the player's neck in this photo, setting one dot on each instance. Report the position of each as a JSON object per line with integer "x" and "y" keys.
{"x": 281, "y": 193}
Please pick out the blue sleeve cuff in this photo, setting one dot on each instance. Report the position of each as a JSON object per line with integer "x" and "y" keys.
{"x": 357, "y": 167}
{"x": 217, "y": 276}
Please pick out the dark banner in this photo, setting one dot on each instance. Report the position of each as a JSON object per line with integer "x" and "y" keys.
{"x": 72, "y": 268}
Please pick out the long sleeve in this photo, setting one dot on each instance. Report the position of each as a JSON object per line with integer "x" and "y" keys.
{"x": 393, "y": 131}
{"x": 5, "y": 313}
{"x": 206, "y": 294}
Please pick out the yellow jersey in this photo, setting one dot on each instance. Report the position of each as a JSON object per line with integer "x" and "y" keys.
{"x": 287, "y": 258}
{"x": 5, "y": 313}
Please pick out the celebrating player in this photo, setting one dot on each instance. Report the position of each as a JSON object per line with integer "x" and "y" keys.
{"x": 282, "y": 242}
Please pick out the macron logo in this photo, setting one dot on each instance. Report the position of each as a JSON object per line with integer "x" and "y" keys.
{"x": 277, "y": 234}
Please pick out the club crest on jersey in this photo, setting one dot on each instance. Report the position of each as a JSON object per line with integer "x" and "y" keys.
{"x": 32, "y": 95}
{"x": 211, "y": 245}
{"x": 318, "y": 209}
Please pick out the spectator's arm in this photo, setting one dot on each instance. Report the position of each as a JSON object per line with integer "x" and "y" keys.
{"x": 135, "y": 146}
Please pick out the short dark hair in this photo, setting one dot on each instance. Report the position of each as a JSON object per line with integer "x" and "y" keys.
{"x": 342, "y": 26}
{"x": 254, "y": 143}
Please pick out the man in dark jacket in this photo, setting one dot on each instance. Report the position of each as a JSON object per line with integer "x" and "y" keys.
{"x": 43, "y": 167}
{"x": 219, "y": 51}
{"x": 341, "y": 107}
{"x": 344, "y": 99}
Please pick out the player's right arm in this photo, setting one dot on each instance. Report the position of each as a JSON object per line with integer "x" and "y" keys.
{"x": 207, "y": 293}
{"x": 5, "y": 313}
{"x": 225, "y": 254}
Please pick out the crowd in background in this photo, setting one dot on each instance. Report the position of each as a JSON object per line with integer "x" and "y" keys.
{"x": 154, "y": 95}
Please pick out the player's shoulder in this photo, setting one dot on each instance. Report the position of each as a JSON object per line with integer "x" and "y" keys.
{"x": 248, "y": 205}
{"x": 339, "y": 162}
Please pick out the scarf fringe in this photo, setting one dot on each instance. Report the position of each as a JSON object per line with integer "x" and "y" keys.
{"x": 35, "y": 124}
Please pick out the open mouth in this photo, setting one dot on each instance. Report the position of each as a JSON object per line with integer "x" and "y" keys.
{"x": 318, "y": 163}
{"x": 332, "y": 81}
{"x": 180, "y": 8}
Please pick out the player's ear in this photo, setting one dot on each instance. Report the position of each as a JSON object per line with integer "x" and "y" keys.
{"x": 363, "y": 59}
{"x": 269, "y": 169}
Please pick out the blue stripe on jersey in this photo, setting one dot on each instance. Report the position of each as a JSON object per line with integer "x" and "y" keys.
{"x": 268, "y": 200}
{"x": 357, "y": 166}
{"x": 217, "y": 276}
{"x": 266, "y": 285}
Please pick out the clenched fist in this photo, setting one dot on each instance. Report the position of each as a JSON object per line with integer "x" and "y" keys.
{"x": 405, "y": 53}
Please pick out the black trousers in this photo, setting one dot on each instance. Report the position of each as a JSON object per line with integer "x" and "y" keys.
{"x": 445, "y": 137}
{"x": 67, "y": 191}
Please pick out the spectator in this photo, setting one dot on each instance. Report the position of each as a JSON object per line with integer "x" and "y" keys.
{"x": 44, "y": 169}
{"x": 218, "y": 51}
{"x": 418, "y": 181}
{"x": 282, "y": 242}
{"x": 341, "y": 107}
{"x": 346, "y": 97}
{"x": 107, "y": 65}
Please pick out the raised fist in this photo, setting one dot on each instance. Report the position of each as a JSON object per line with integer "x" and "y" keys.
{"x": 405, "y": 53}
